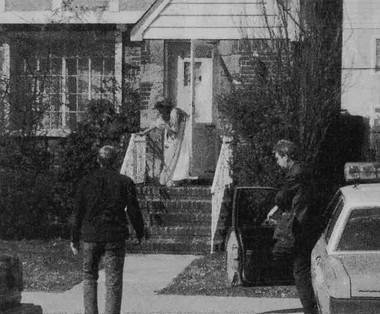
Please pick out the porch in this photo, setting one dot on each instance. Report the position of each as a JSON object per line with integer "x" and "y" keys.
{"x": 187, "y": 219}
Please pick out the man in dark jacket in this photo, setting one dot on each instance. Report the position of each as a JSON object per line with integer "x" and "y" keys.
{"x": 100, "y": 220}
{"x": 295, "y": 232}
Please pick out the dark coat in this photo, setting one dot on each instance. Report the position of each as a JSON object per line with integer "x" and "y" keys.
{"x": 100, "y": 215}
{"x": 295, "y": 200}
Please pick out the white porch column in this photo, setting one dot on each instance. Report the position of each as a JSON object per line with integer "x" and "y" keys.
{"x": 5, "y": 62}
{"x": 119, "y": 66}
{"x": 192, "y": 97}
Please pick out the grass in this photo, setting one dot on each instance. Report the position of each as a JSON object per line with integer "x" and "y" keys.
{"x": 207, "y": 276}
{"x": 48, "y": 266}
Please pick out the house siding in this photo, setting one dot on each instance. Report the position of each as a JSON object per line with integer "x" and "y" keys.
{"x": 212, "y": 19}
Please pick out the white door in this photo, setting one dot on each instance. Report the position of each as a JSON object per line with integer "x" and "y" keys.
{"x": 200, "y": 112}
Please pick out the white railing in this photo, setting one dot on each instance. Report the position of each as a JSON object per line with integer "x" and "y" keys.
{"x": 222, "y": 180}
{"x": 134, "y": 164}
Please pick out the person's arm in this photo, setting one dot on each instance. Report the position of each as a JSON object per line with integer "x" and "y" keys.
{"x": 159, "y": 123}
{"x": 77, "y": 219}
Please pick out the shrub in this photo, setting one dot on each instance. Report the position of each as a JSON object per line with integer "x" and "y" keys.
{"x": 29, "y": 207}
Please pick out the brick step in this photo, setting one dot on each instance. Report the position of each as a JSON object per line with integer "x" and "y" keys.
{"x": 169, "y": 246}
{"x": 187, "y": 238}
{"x": 179, "y": 219}
{"x": 194, "y": 192}
{"x": 177, "y": 206}
{"x": 25, "y": 308}
{"x": 191, "y": 230}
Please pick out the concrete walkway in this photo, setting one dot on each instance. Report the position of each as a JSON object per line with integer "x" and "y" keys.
{"x": 145, "y": 274}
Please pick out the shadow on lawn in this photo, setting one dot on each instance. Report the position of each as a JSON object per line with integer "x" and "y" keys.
{"x": 207, "y": 276}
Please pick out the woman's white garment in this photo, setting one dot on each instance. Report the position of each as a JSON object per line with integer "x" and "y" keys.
{"x": 177, "y": 148}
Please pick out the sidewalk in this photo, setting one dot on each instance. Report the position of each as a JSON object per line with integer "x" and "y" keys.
{"x": 143, "y": 275}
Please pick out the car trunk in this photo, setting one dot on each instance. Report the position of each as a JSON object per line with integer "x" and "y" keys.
{"x": 363, "y": 269}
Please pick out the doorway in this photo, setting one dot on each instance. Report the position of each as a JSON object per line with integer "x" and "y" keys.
{"x": 197, "y": 101}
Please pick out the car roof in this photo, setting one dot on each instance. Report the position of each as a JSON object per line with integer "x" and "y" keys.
{"x": 361, "y": 194}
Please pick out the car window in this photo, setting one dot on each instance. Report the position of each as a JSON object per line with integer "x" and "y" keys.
{"x": 362, "y": 231}
{"x": 333, "y": 211}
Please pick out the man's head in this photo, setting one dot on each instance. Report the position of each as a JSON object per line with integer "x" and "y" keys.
{"x": 107, "y": 156}
{"x": 286, "y": 153}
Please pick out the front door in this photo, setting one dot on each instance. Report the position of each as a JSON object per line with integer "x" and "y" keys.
{"x": 202, "y": 130}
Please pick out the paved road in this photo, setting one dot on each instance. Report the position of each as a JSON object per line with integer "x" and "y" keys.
{"x": 145, "y": 274}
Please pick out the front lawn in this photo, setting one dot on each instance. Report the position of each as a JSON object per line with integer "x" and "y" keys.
{"x": 47, "y": 266}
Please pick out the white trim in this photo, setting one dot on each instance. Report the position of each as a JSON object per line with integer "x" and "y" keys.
{"x": 138, "y": 31}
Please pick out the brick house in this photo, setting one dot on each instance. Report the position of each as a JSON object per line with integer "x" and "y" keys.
{"x": 72, "y": 51}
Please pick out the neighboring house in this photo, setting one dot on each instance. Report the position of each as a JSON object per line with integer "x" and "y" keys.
{"x": 361, "y": 65}
{"x": 63, "y": 53}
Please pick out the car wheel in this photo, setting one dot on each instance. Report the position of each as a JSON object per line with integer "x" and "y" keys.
{"x": 233, "y": 259}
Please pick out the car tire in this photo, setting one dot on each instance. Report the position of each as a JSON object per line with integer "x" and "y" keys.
{"x": 233, "y": 259}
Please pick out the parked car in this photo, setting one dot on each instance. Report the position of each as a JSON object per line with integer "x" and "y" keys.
{"x": 249, "y": 241}
{"x": 346, "y": 259}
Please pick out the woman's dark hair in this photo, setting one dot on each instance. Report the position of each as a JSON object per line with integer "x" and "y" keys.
{"x": 164, "y": 106}
{"x": 286, "y": 147}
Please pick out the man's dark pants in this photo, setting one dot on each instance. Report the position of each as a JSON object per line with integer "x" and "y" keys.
{"x": 113, "y": 254}
{"x": 300, "y": 260}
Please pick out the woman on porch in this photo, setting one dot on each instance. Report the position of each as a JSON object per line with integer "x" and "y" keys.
{"x": 176, "y": 146}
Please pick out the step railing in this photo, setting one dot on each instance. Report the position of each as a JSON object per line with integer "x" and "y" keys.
{"x": 134, "y": 164}
{"x": 222, "y": 180}
{"x": 143, "y": 158}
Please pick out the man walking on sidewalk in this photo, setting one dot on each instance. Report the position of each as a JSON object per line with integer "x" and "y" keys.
{"x": 100, "y": 220}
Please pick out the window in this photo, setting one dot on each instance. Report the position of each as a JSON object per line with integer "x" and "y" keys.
{"x": 63, "y": 75}
{"x": 361, "y": 232}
